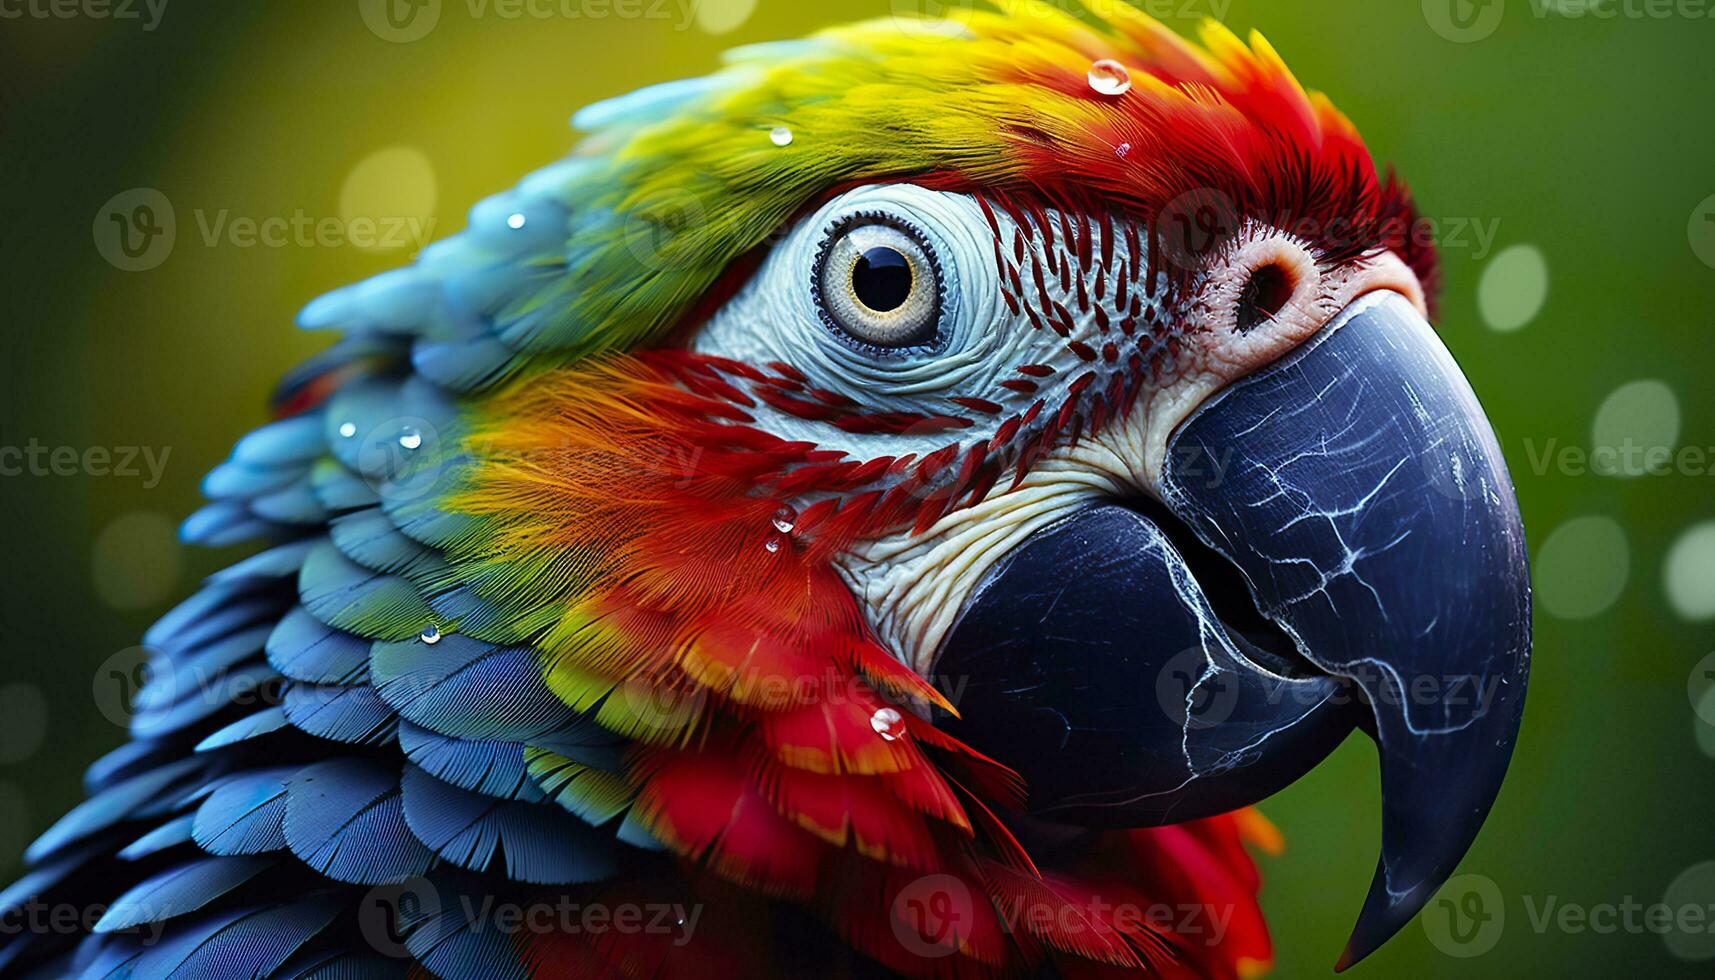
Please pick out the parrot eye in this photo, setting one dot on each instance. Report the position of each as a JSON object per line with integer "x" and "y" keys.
{"x": 878, "y": 285}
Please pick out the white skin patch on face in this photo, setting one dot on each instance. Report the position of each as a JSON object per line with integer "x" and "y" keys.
{"x": 1033, "y": 309}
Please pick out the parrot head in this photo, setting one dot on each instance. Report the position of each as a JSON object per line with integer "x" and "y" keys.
{"x": 1071, "y": 390}
{"x": 972, "y": 459}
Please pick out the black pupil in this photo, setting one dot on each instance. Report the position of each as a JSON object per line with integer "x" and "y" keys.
{"x": 881, "y": 280}
{"x": 1267, "y": 292}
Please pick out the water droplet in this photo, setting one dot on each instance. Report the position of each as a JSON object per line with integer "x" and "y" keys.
{"x": 1109, "y": 77}
{"x": 515, "y": 221}
{"x": 780, "y": 136}
{"x": 1123, "y": 150}
{"x": 431, "y": 636}
{"x": 347, "y": 430}
{"x": 785, "y": 519}
{"x": 887, "y": 723}
{"x": 410, "y": 438}
{"x": 773, "y": 545}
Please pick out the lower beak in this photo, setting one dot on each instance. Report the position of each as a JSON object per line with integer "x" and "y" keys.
{"x": 1355, "y": 561}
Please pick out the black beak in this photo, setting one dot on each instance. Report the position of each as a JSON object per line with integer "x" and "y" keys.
{"x": 1340, "y": 547}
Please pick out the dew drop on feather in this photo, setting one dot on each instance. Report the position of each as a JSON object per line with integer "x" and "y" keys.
{"x": 347, "y": 430}
{"x": 410, "y": 438}
{"x": 780, "y": 136}
{"x": 431, "y": 636}
{"x": 1109, "y": 77}
{"x": 773, "y": 545}
{"x": 887, "y": 722}
{"x": 1123, "y": 150}
{"x": 785, "y": 519}
{"x": 515, "y": 221}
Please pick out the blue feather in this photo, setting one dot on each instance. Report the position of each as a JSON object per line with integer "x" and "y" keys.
{"x": 341, "y": 714}
{"x": 344, "y": 594}
{"x": 236, "y": 943}
{"x": 525, "y": 841}
{"x": 180, "y": 891}
{"x": 278, "y": 562}
{"x": 124, "y": 762}
{"x": 112, "y": 806}
{"x": 340, "y": 489}
{"x": 252, "y": 726}
{"x": 473, "y": 690}
{"x": 492, "y": 768}
{"x": 222, "y": 524}
{"x": 345, "y": 819}
{"x": 170, "y": 834}
{"x": 245, "y": 814}
{"x": 370, "y": 539}
{"x": 450, "y": 941}
{"x": 293, "y": 504}
{"x": 233, "y": 479}
{"x": 203, "y": 698}
{"x": 293, "y": 440}
{"x": 304, "y": 648}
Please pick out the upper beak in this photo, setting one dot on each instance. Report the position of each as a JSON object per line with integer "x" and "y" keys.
{"x": 1358, "y": 561}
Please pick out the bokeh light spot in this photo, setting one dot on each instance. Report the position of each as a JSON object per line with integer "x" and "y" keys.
{"x": 723, "y": 16}
{"x": 1692, "y": 891}
{"x": 388, "y": 200}
{"x": 1582, "y": 567}
{"x": 1690, "y": 573}
{"x": 1513, "y": 288}
{"x": 136, "y": 561}
{"x": 1703, "y": 722}
{"x": 1636, "y": 429}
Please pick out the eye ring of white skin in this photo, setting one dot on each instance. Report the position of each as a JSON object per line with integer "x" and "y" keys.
{"x": 880, "y": 327}
{"x": 776, "y": 316}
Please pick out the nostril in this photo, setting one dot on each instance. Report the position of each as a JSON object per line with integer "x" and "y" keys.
{"x": 1265, "y": 294}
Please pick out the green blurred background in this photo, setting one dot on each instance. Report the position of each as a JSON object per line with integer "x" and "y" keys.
{"x": 1565, "y": 158}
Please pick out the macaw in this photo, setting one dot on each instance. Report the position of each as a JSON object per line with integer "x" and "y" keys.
{"x": 890, "y": 507}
